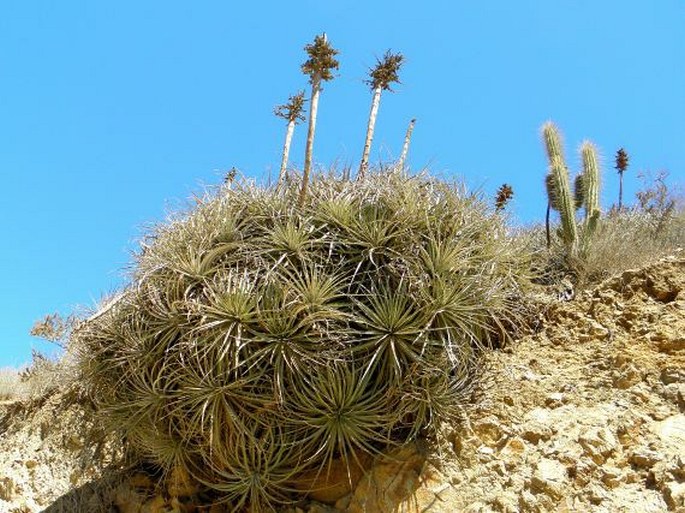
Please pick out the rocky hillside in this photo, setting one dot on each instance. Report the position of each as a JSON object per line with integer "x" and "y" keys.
{"x": 587, "y": 414}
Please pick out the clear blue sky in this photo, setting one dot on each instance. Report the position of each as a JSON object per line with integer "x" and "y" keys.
{"x": 111, "y": 113}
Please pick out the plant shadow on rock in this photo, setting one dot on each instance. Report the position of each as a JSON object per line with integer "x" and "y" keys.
{"x": 93, "y": 497}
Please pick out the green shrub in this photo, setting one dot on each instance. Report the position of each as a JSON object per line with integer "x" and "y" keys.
{"x": 259, "y": 338}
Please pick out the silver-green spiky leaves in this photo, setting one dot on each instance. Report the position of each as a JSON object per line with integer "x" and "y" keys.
{"x": 261, "y": 338}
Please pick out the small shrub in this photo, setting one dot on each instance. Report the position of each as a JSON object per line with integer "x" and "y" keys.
{"x": 41, "y": 377}
{"x": 45, "y": 375}
{"x": 10, "y": 386}
{"x": 54, "y": 328}
{"x": 260, "y": 337}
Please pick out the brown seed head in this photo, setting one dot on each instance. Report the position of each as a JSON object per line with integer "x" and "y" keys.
{"x": 504, "y": 194}
{"x": 386, "y": 71}
{"x": 321, "y": 60}
{"x": 292, "y": 110}
{"x": 231, "y": 175}
{"x": 621, "y": 160}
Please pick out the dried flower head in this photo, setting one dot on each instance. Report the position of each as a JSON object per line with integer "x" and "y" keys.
{"x": 54, "y": 328}
{"x": 292, "y": 110}
{"x": 321, "y": 60}
{"x": 386, "y": 71}
{"x": 621, "y": 160}
{"x": 231, "y": 175}
{"x": 504, "y": 194}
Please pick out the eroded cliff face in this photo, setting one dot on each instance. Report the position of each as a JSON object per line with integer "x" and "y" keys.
{"x": 587, "y": 414}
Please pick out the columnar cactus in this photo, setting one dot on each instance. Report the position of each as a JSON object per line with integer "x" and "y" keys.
{"x": 590, "y": 186}
{"x": 558, "y": 188}
{"x": 585, "y": 194}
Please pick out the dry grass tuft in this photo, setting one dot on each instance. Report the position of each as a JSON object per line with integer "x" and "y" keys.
{"x": 10, "y": 384}
{"x": 630, "y": 240}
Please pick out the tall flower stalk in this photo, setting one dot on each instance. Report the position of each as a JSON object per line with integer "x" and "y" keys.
{"x": 319, "y": 67}
{"x": 292, "y": 113}
{"x": 405, "y": 146}
{"x": 621, "y": 166}
{"x": 380, "y": 77}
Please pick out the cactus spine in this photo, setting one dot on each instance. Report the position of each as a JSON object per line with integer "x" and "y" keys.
{"x": 558, "y": 187}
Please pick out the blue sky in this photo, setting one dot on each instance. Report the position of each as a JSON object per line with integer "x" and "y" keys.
{"x": 114, "y": 113}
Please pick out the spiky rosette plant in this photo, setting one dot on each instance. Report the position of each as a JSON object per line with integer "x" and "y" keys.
{"x": 261, "y": 338}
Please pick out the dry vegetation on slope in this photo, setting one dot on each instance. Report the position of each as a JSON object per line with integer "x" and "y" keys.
{"x": 586, "y": 414}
